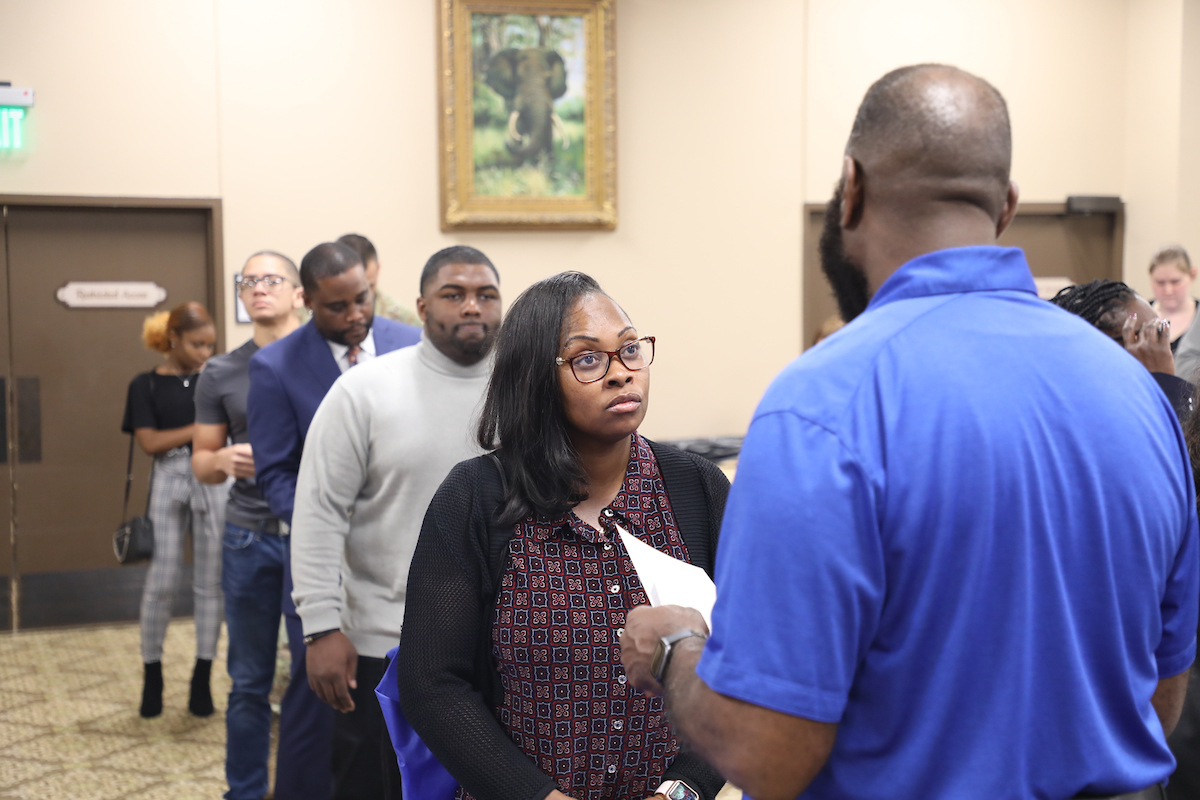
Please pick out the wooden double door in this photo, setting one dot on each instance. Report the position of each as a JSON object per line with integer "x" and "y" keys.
{"x": 64, "y": 372}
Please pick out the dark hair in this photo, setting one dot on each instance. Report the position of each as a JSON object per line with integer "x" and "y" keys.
{"x": 361, "y": 245}
{"x": 1101, "y": 303}
{"x": 326, "y": 260}
{"x": 523, "y": 414}
{"x": 458, "y": 254}
{"x": 289, "y": 266}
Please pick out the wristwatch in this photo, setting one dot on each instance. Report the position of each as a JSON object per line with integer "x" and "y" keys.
{"x": 677, "y": 790}
{"x": 662, "y": 653}
{"x": 312, "y": 637}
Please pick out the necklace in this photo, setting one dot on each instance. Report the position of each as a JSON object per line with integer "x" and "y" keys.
{"x": 186, "y": 380}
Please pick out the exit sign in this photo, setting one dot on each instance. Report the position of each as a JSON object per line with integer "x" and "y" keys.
{"x": 11, "y": 120}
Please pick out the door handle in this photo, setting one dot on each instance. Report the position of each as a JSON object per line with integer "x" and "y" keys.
{"x": 29, "y": 420}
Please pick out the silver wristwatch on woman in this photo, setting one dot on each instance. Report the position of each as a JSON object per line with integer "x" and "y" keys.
{"x": 677, "y": 790}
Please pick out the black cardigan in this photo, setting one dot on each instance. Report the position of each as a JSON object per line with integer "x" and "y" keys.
{"x": 448, "y": 682}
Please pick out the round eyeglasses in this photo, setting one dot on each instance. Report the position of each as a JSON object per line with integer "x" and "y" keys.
{"x": 269, "y": 281}
{"x": 593, "y": 365}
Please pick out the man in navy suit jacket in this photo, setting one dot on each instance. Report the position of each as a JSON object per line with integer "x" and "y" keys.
{"x": 288, "y": 380}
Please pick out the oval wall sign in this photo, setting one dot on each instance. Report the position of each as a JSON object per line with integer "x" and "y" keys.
{"x": 111, "y": 294}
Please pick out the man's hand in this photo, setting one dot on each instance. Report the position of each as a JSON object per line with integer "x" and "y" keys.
{"x": 332, "y": 664}
{"x": 1150, "y": 343}
{"x": 644, "y": 626}
{"x": 236, "y": 460}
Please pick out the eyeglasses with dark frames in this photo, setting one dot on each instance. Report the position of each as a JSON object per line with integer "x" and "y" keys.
{"x": 269, "y": 281}
{"x": 593, "y": 365}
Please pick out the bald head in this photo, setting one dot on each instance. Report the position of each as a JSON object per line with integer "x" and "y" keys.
{"x": 932, "y": 134}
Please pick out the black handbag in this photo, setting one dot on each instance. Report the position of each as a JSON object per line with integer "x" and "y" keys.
{"x": 134, "y": 540}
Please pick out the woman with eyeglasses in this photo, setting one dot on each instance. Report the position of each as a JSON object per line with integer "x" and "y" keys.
{"x": 509, "y": 668}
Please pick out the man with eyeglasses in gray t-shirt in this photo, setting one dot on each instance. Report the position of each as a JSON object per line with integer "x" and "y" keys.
{"x": 254, "y": 549}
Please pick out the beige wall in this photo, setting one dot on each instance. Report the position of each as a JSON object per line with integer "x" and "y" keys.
{"x": 310, "y": 119}
{"x": 1152, "y": 132}
{"x": 126, "y": 97}
{"x": 1059, "y": 63}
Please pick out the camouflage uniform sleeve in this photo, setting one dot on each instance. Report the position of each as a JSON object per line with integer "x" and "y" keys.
{"x": 385, "y": 306}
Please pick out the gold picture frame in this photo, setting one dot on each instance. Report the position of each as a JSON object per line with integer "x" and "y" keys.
{"x": 527, "y": 114}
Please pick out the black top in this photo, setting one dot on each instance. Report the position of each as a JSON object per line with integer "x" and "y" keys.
{"x": 1181, "y": 393}
{"x": 1178, "y": 339}
{"x": 161, "y": 402}
{"x": 448, "y": 684}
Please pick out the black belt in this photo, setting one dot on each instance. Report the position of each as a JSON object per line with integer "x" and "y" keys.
{"x": 274, "y": 526}
{"x": 1155, "y": 792}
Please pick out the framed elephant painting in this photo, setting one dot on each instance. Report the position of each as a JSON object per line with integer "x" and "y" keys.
{"x": 528, "y": 122}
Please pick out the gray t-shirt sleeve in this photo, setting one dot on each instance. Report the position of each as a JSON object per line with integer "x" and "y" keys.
{"x": 209, "y": 408}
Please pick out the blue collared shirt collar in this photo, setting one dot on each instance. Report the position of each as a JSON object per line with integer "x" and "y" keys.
{"x": 956, "y": 270}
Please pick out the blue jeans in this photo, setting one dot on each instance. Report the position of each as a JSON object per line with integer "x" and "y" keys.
{"x": 258, "y": 588}
{"x": 252, "y": 579}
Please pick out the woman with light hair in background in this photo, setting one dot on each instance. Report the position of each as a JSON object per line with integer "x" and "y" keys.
{"x": 159, "y": 413}
{"x": 1171, "y": 276}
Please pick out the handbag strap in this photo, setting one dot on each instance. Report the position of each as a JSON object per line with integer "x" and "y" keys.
{"x": 128, "y": 480}
{"x": 129, "y": 483}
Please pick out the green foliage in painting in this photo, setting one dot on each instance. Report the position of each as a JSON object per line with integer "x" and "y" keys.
{"x": 496, "y": 174}
{"x": 570, "y": 108}
{"x": 487, "y": 106}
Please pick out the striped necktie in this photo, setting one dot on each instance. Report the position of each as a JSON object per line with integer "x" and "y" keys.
{"x": 352, "y": 354}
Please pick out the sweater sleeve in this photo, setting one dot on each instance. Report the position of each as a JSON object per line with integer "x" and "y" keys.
{"x": 333, "y": 470}
{"x": 444, "y": 621}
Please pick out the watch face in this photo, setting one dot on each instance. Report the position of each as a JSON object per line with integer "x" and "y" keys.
{"x": 656, "y": 661}
{"x": 680, "y": 791}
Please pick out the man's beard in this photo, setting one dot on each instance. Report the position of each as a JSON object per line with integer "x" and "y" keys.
{"x": 848, "y": 280}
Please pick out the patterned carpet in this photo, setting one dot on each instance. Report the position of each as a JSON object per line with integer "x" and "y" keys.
{"x": 69, "y": 726}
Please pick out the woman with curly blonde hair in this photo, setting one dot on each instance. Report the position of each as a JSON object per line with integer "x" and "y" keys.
{"x": 160, "y": 414}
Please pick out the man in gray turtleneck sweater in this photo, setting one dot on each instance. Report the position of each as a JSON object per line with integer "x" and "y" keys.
{"x": 379, "y": 446}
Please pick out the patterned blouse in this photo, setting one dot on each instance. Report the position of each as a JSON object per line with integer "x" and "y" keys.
{"x": 561, "y": 609}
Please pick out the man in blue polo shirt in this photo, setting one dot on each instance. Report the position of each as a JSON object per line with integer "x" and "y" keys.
{"x": 960, "y": 558}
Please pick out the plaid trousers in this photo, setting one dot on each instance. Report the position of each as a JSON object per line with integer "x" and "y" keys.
{"x": 179, "y": 503}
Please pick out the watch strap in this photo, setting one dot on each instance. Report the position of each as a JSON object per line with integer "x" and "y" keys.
{"x": 312, "y": 637}
{"x": 666, "y": 646}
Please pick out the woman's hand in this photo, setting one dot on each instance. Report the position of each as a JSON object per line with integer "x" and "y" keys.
{"x": 1149, "y": 343}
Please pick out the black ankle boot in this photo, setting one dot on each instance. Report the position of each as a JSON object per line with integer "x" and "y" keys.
{"x": 152, "y": 686}
{"x": 200, "y": 699}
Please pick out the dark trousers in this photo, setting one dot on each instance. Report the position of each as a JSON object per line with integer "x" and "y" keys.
{"x": 302, "y": 768}
{"x": 364, "y": 764}
{"x": 1184, "y": 742}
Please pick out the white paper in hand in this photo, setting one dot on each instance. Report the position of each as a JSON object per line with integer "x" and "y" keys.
{"x": 669, "y": 581}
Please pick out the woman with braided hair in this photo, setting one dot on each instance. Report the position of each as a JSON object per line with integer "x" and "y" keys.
{"x": 1122, "y": 315}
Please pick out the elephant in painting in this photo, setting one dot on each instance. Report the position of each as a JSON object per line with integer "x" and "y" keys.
{"x": 530, "y": 80}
